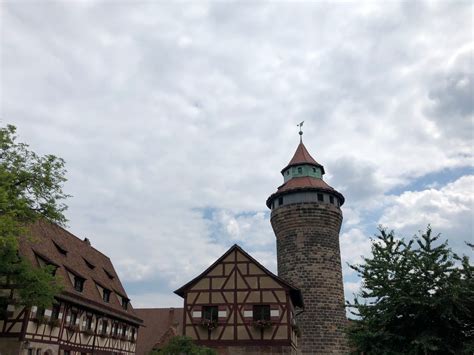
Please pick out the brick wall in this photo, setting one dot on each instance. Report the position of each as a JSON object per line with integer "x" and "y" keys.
{"x": 309, "y": 258}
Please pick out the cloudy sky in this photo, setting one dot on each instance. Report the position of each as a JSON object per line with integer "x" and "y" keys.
{"x": 175, "y": 121}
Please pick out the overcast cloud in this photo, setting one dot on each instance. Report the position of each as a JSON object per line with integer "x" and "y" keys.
{"x": 175, "y": 120}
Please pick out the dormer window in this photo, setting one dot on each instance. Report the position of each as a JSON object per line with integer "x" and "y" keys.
{"x": 60, "y": 248}
{"x": 109, "y": 274}
{"x": 125, "y": 303}
{"x": 89, "y": 264}
{"x": 106, "y": 295}
{"x": 78, "y": 283}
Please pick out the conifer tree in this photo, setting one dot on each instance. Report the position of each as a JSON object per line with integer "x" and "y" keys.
{"x": 417, "y": 297}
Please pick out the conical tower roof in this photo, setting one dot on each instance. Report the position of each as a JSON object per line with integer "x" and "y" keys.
{"x": 302, "y": 156}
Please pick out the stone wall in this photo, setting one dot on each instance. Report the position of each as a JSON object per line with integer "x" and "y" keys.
{"x": 309, "y": 258}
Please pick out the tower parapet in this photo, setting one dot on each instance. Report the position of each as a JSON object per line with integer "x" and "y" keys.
{"x": 306, "y": 218}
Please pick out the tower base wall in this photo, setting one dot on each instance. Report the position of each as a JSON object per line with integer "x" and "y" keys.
{"x": 309, "y": 258}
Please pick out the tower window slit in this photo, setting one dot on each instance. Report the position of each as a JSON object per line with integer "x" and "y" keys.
{"x": 320, "y": 197}
{"x": 331, "y": 199}
{"x": 280, "y": 201}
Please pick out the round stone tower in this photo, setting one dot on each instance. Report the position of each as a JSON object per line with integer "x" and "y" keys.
{"x": 306, "y": 218}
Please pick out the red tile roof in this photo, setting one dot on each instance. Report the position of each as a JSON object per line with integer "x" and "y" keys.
{"x": 302, "y": 156}
{"x": 303, "y": 184}
{"x": 69, "y": 253}
{"x": 159, "y": 325}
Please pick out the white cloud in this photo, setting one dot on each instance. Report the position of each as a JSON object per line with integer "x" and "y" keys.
{"x": 449, "y": 210}
{"x": 162, "y": 112}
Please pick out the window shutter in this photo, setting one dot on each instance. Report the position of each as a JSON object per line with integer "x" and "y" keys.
{"x": 222, "y": 315}
{"x": 275, "y": 313}
{"x": 196, "y": 314}
{"x": 248, "y": 314}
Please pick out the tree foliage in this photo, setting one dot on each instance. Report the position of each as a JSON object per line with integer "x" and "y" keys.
{"x": 417, "y": 297}
{"x": 30, "y": 189}
{"x": 182, "y": 345}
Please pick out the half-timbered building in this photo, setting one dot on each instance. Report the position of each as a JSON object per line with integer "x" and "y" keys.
{"x": 237, "y": 305}
{"x": 92, "y": 315}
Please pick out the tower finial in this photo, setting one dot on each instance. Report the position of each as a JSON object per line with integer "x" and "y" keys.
{"x": 301, "y": 131}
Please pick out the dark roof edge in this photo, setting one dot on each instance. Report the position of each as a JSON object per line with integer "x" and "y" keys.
{"x": 302, "y": 189}
{"x": 73, "y": 298}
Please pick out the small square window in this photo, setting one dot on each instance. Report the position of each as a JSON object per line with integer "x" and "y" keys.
{"x": 331, "y": 199}
{"x": 320, "y": 197}
{"x": 209, "y": 313}
{"x": 261, "y": 312}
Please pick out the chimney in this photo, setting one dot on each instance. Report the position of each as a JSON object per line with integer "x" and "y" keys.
{"x": 87, "y": 241}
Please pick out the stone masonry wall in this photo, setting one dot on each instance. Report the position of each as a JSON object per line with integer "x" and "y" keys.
{"x": 309, "y": 258}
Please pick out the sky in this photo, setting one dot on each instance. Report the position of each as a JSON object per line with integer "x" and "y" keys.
{"x": 175, "y": 119}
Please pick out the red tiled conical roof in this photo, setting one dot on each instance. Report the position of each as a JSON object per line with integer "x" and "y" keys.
{"x": 302, "y": 156}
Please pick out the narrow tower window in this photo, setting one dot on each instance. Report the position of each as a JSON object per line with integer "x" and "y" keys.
{"x": 300, "y": 170}
{"x": 331, "y": 199}
{"x": 280, "y": 201}
{"x": 320, "y": 197}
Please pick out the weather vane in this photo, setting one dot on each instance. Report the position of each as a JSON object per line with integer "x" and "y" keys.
{"x": 300, "y": 125}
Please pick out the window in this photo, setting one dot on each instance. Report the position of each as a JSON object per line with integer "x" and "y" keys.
{"x": 38, "y": 351}
{"x": 55, "y": 311}
{"x": 331, "y": 199}
{"x": 73, "y": 318}
{"x": 40, "y": 312}
{"x": 210, "y": 313}
{"x": 287, "y": 172}
{"x": 30, "y": 352}
{"x": 124, "y": 303}
{"x": 67, "y": 352}
{"x": 106, "y": 295}
{"x": 300, "y": 170}
{"x": 3, "y": 308}
{"x": 105, "y": 324}
{"x": 280, "y": 201}
{"x": 133, "y": 334}
{"x": 78, "y": 283}
{"x": 320, "y": 197}
{"x": 261, "y": 312}
{"x": 89, "y": 323}
{"x": 314, "y": 170}
{"x": 124, "y": 330}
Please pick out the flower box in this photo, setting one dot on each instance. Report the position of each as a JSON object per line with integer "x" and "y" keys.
{"x": 209, "y": 324}
{"x": 262, "y": 324}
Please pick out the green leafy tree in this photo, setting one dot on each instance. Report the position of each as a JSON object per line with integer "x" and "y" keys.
{"x": 182, "y": 345}
{"x": 417, "y": 297}
{"x": 30, "y": 189}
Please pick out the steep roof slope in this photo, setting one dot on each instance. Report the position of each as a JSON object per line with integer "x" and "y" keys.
{"x": 52, "y": 244}
{"x": 158, "y": 323}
